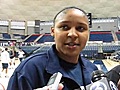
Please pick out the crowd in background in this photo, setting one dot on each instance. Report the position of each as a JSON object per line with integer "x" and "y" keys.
{"x": 8, "y": 57}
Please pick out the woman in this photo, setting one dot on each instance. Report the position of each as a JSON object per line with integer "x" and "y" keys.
{"x": 71, "y": 33}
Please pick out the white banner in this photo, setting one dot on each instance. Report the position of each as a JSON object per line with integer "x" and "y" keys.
{"x": 4, "y": 23}
{"x": 17, "y": 24}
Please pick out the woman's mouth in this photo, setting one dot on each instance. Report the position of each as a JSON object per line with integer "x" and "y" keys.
{"x": 72, "y": 44}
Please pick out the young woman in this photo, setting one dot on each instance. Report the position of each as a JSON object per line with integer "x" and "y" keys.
{"x": 71, "y": 33}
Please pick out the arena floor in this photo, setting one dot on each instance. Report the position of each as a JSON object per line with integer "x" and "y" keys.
{"x": 4, "y": 80}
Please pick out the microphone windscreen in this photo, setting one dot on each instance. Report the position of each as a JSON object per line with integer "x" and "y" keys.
{"x": 97, "y": 75}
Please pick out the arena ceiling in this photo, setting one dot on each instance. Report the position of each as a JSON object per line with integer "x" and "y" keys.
{"x": 46, "y": 9}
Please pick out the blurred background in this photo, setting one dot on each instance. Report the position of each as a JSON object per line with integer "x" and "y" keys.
{"x": 25, "y": 25}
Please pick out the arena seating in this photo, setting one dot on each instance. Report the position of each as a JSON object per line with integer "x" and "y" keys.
{"x": 18, "y": 36}
{"x": 6, "y": 36}
{"x": 46, "y": 38}
{"x": 90, "y": 51}
{"x": 101, "y": 36}
{"x": 110, "y": 48}
{"x": 28, "y": 49}
{"x": 32, "y": 38}
{"x": 41, "y": 49}
{"x": 94, "y": 36}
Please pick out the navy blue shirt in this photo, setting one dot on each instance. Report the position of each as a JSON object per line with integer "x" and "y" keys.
{"x": 74, "y": 70}
{"x": 35, "y": 71}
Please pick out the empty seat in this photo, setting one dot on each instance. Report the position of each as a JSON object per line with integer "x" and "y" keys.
{"x": 101, "y": 36}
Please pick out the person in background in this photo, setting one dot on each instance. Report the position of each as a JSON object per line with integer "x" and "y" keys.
{"x": 71, "y": 33}
{"x": 21, "y": 55}
{"x": 12, "y": 53}
{"x": 5, "y": 59}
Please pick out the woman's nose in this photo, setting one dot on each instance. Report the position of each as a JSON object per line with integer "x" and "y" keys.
{"x": 72, "y": 33}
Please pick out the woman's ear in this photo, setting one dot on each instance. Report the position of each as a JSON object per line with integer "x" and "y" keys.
{"x": 52, "y": 31}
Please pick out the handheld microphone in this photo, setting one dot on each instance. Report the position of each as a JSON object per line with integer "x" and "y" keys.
{"x": 53, "y": 82}
{"x": 101, "y": 82}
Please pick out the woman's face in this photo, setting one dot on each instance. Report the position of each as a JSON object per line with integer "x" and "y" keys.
{"x": 71, "y": 32}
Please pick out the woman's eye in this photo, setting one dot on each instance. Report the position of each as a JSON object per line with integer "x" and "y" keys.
{"x": 80, "y": 28}
{"x": 65, "y": 27}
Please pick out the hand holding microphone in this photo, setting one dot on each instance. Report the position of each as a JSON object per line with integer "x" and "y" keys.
{"x": 53, "y": 83}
